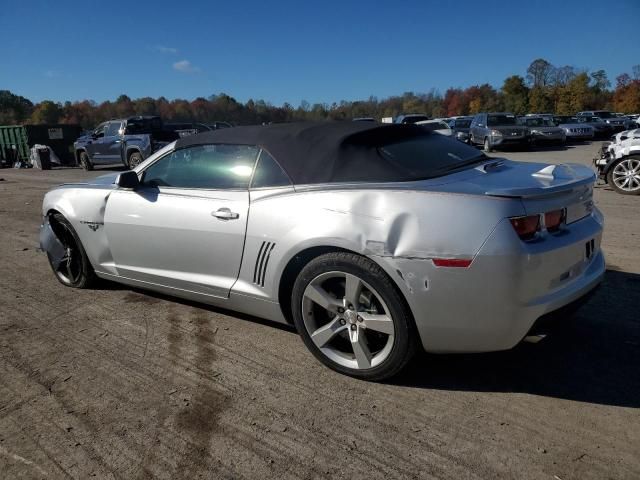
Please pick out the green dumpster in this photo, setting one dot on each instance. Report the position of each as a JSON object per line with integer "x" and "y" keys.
{"x": 16, "y": 141}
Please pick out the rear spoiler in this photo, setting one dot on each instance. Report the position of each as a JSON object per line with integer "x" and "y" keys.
{"x": 549, "y": 180}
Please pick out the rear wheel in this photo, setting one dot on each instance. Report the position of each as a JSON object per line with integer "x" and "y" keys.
{"x": 74, "y": 269}
{"x": 85, "y": 161}
{"x": 352, "y": 318}
{"x": 135, "y": 159}
{"x": 624, "y": 175}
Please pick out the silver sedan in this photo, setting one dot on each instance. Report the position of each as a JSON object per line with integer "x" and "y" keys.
{"x": 373, "y": 240}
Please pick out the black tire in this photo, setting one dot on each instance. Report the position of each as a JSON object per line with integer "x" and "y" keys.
{"x": 610, "y": 175}
{"x": 79, "y": 273}
{"x": 135, "y": 159}
{"x": 487, "y": 145}
{"x": 405, "y": 340}
{"x": 85, "y": 161}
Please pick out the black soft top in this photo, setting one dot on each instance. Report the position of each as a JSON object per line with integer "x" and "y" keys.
{"x": 319, "y": 152}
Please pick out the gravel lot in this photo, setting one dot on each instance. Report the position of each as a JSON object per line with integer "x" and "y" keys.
{"x": 118, "y": 383}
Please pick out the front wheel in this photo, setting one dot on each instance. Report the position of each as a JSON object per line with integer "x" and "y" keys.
{"x": 624, "y": 175}
{"x": 73, "y": 269}
{"x": 85, "y": 161}
{"x": 352, "y": 318}
{"x": 135, "y": 159}
{"x": 487, "y": 145}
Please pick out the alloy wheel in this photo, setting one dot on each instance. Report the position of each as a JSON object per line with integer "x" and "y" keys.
{"x": 69, "y": 269}
{"x": 348, "y": 320}
{"x": 626, "y": 175}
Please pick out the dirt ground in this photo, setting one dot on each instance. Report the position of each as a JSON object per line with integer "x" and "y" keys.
{"x": 118, "y": 383}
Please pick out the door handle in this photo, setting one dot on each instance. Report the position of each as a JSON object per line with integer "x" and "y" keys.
{"x": 225, "y": 214}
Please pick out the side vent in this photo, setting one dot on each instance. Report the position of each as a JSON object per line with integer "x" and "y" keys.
{"x": 262, "y": 261}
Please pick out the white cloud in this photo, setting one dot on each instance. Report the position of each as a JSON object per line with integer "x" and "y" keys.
{"x": 163, "y": 49}
{"x": 185, "y": 66}
{"x": 51, "y": 74}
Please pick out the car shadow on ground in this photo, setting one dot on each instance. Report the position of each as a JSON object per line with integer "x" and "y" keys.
{"x": 594, "y": 357}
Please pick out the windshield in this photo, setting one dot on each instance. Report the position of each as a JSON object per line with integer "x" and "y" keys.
{"x": 603, "y": 114}
{"x": 427, "y": 156}
{"x": 414, "y": 118}
{"x": 534, "y": 122}
{"x": 462, "y": 123}
{"x": 431, "y": 126}
{"x": 500, "y": 119}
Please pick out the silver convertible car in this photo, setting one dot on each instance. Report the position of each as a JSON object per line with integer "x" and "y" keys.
{"x": 373, "y": 240}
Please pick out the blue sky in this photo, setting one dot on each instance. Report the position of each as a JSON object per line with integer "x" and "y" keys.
{"x": 287, "y": 51}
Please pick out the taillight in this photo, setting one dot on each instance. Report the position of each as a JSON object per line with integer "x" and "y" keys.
{"x": 554, "y": 220}
{"x": 526, "y": 227}
{"x": 452, "y": 262}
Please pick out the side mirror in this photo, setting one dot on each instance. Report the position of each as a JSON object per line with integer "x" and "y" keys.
{"x": 128, "y": 180}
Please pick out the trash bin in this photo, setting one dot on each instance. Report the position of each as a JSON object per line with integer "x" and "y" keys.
{"x": 44, "y": 159}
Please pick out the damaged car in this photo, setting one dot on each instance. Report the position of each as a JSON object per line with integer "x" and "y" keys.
{"x": 618, "y": 162}
{"x": 373, "y": 240}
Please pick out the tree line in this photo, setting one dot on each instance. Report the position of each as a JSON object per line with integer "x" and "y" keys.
{"x": 545, "y": 88}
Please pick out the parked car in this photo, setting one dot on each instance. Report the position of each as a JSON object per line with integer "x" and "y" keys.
{"x": 127, "y": 140}
{"x": 616, "y": 122}
{"x": 498, "y": 129}
{"x": 618, "y": 162}
{"x": 371, "y": 239}
{"x": 601, "y": 129}
{"x": 436, "y": 126}
{"x": 218, "y": 125}
{"x": 364, "y": 119}
{"x": 543, "y": 130}
{"x": 411, "y": 118}
{"x": 574, "y": 130}
{"x": 185, "y": 129}
{"x": 460, "y": 127}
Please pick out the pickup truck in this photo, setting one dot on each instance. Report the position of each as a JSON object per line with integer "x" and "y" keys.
{"x": 127, "y": 140}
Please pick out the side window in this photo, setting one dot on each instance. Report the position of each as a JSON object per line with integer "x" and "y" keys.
{"x": 99, "y": 131}
{"x": 204, "y": 167}
{"x": 112, "y": 129}
{"x": 268, "y": 173}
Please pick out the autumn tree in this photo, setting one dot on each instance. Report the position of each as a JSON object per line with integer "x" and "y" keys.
{"x": 626, "y": 97}
{"x": 515, "y": 95}
{"x": 539, "y": 73}
{"x": 46, "y": 112}
{"x": 13, "y": 108}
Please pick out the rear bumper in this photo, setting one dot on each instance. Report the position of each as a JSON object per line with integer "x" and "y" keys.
{"x": 491, "y": 305}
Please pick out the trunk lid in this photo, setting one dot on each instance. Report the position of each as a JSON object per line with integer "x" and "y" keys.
{"x": 540, "y": 187}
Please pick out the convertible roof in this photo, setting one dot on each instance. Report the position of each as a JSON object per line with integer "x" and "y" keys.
{"x": 319, "y": 152}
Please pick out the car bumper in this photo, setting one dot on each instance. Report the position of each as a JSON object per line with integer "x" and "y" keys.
{"x": 458, "y": 310}
{"x": 540, "y": 139}
{"x": 506, "y": 141}
{"x": 580, "y": 135}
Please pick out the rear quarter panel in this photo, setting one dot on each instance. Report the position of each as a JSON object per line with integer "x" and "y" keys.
{"x": 379, "y": 223}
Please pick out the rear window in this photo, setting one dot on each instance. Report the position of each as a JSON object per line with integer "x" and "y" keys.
{"x": 143, "y": 125}
{"x": 496, "y": 120}
{"x": 427, "y": 156}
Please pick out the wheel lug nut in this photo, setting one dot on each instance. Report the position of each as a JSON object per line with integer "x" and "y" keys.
{"x": 353, "y": 327}
{"x": 359, "y": 318}
{"x": 340, "y": 310}
{"x": 343, "y": 321}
